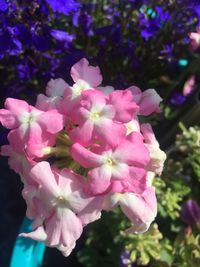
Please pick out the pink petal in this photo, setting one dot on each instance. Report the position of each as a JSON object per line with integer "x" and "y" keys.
{"x": 68, "y": 181}
{"x": 111, "y": 201}
{"x": 136, "y": 92}
{"x": 66, "y": 251}
{"x": 140, "y": 209}
{"x": 120, "y": 171}
{"x": 42, "y": 174}
{"x": 39, "y": 234}
{"x": 82, "y": 134}
{"x": 56, "y": 87}
{"x": 104, "y": 131}
{"x": 135, "y": 182}
{"x": 133, "y": 151}
{"x": 124, "y": 105}
{"x": 63, "y": 228}
{"x": 150, "y": 102}
{"x": 85, "y": 157}
{"x": 99, "y": 180}
{"x": 138, "y": 179}
{"x": 87, "y": 208}
{"x": 46, "y": 103}
{"x": 16, "y": 106}
{"x": 17, "y": 138}
{"x": 8, "y": 119}
{"x": 52, "y": 121}
{"x": 91, "y": 98}
{"x": 82, "y": 70}
{"x": 29, "y": 193}
{"x": 148, "y": 133}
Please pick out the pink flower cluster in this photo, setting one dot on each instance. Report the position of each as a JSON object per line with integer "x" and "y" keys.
{"x": 101, "y": 156}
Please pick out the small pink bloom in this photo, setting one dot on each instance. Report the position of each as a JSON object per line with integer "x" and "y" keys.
{"x": 157, "y": 156}
{"x": 17, "y": 160}
{"x": 148, "y": 101}
{"x": 83, "y": 71}
{"x": 85, "y": 77}
{"x": 140, "y": 209}
{"x": 194, "y": 39}
{"x": 96, "y": 120}
{"x": 29, "y": 125}
{"x": 55, "y": 91}
{"x": 66, "y": 207}
{"x": 125, "y": 107}
{"x": 189, "y": 85}
{"x": 113, "y": 164}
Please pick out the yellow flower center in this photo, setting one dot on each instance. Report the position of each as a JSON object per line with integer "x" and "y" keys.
{"x": 61, "y": 200}
{"x": 110, "y": 162}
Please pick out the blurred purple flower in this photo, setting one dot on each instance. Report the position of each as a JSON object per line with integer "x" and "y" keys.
{"x": 23, "y": 71}
{"x": 9, "y": 42}
{"x": 151, "y": 21}
{"x": 177, "y": 99}
{"x": 190, "y": 212}
{"x": 62, "y": 36}
{"x": 64, "y": 6}
{"x": 3, "y": 5}
{"x": 125, "y": 258}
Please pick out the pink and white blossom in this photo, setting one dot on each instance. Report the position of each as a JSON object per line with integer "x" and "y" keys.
{"x": 53, "y": 99}
{"x": 68, "y": 209}
{"x": 157, "y": 156}
{"x": 148, "y": 101}
{"x": 29, "y": 125}
{"x": 95, "y": 118}
{"x": 113, "y": 164}
{"x": 141, "y": 209}
{"x": 86, "y": 129}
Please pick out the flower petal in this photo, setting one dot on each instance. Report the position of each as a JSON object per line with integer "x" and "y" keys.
{"x": 63, "y": 228}
{"x": 43, "y": 175}
{"x": 85, "y": 157}
{"x": 99, "y": 180}
{"x": 39, "y": 234}
{"x": 82, "y": 70}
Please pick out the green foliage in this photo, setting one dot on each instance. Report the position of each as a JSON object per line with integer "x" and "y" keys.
{"x": 187, "y": 252}
{"x": 171, "y": 189}
{"x": 144, "y": 247}
{"x": 189, "y": 143}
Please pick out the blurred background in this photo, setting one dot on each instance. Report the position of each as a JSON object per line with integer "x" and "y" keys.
{"x": 150, "y": 44}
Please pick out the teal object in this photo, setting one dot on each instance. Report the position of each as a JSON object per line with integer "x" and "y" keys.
{"x": 27, "y": 252}
{"x": 183, "y": 62}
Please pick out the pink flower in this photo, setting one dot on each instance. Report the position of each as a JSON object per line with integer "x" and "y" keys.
{"x": 125, "y": 107}
{"x": 29, "y": 125}
{"x": 17, "y": 160}
{"x": 148, "y": 101}
{"x": 85, "y": 77}
{"x": 141, "y": 209}
{"x": 157, "y": 156}
{"x": 55, "y": 91}
{"x": 96, "y": 121}
{"x": 91, "y": 130}
{"x": 66, "y": 207}
{"x": 194, "y": 39}
{"x": 83, "y": 71}
{"x": 189, "y": 85}
{"x": 123, "y": 163}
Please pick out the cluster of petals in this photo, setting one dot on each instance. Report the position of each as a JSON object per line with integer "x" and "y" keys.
{"x": 82, "y": 150}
